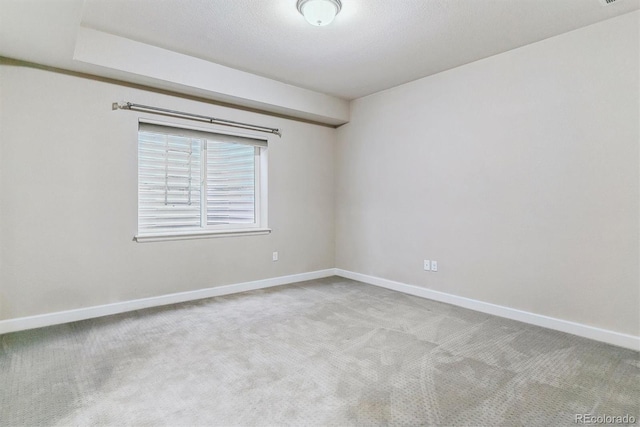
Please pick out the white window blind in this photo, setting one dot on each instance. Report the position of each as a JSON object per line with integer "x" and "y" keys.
{"x": 230, "y": 183}
{"x": 169, "y": 194}
{"x": 190, "y": 180}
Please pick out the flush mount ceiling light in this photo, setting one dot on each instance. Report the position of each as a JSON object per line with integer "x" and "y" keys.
{"x": 319, "y": 12}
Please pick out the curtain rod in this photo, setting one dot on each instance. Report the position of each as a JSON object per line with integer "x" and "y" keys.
{"x": 190, "y": 116}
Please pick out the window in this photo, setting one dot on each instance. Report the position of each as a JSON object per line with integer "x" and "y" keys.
{"x": 194, "y": 183}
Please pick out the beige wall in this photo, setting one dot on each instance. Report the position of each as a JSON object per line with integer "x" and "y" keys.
{"x": 518, "y": 173}
{"x": 68, "y": 200}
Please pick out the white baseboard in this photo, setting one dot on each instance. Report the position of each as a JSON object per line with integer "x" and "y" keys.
{"x": 31, "y": 322}
{"x": 49, "y": 319}
{"x": 603, "y": 335}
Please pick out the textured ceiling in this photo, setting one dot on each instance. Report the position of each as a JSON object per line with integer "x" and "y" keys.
{"x": 372, "y": 45}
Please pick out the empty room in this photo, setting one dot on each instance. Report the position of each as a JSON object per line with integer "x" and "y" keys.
{"x": 319, "y": 212}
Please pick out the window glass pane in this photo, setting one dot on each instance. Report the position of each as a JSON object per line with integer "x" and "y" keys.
{"x": 230, "y": 183}
{"x": 169, "y": 193}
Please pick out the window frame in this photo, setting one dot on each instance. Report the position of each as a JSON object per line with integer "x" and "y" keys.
{"x": 259, "y": 227}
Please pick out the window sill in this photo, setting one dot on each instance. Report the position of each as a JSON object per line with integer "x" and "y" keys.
{"x": 200, "y": 235}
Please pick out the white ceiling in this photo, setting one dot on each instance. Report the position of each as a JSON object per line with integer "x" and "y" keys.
{"x": 371, "y": 46}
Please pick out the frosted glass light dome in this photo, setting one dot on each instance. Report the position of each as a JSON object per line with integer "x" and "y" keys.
{"x": 319, "y": 12}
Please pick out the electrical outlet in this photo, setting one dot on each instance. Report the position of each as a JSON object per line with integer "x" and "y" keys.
{"x": 434, "y": 265}
{"x": 275, "y": 256}
{"x": 427, "y": 265}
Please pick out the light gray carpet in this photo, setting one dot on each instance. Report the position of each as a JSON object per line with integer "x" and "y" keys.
{"x": 324, "y": 352}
